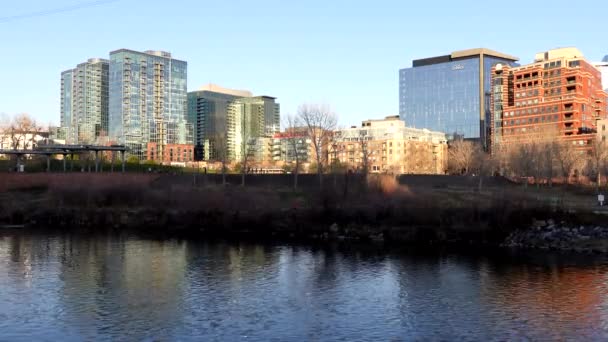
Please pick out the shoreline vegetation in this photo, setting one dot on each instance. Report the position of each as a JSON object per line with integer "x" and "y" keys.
{"x": 406, "y": 210}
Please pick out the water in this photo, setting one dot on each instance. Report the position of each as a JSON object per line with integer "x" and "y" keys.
{"x": 127, "y": 288}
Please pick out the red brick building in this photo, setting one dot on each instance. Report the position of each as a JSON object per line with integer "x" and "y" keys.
{"x": 559, "y": 94}
{"x": 170, "y": 153}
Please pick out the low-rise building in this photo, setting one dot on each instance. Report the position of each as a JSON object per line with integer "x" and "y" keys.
{"x": 389, "y": 146}
{"x": 23, "y": 140}
{"x": 283, "y": 146}
{"x": 170, "y": 153}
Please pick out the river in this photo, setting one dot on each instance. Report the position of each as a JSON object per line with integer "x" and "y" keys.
{"x": 75, "y": 287}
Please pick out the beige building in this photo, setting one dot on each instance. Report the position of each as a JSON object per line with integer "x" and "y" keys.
{"x": 388, "y": 146}
{"x": 602, "y": 130}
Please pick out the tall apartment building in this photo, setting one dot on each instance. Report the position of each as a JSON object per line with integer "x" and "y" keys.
{"x": 84, "y": 101}
{"x": 603, "y": 67}
{"x": 450, "y": 93}
{"x": 148, "y": 103}
{"x": 390, "y": 146}
{"x": 67, "y": 86}
{"x": 559, "y": 94}
{"x": 226, "y": 119}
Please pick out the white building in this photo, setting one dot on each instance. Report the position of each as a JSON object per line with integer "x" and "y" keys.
{"x": 23, "y": 141}
{"x": 603, "y": 67}
{"x": 391, "y": 127}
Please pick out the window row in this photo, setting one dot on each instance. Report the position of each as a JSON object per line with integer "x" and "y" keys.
{"x": 538, "y": 119}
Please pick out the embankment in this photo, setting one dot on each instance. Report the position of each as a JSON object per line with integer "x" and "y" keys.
{"x": 378, "y": 210}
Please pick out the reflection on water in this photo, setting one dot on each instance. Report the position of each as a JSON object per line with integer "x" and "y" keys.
{"x": 126, "y": 288}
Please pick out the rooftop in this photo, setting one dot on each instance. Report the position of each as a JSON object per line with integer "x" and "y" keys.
{"x": 157, "y": 53}
{"x": 217, "y": 89}
{"x": 565, "y": 52}
{"x": 462, "y": 54}
{"x": 482, "y": 51}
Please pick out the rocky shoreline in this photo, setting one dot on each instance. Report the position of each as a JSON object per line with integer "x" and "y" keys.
{"x": 549, "y": 235}
{"x": 315, "y": 226}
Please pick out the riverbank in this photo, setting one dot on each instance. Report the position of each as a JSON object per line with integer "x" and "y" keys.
{"x": 378, "y": 211}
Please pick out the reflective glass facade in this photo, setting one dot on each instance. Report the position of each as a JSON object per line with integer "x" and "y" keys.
{"x": 148, "y": 100}
{"x": 444, "y": 94}
{"x": 67, "y": 79}
{"x": 235, "y": 118}
{"x": 84, "y": 101}
{"x": 441, "y": 97}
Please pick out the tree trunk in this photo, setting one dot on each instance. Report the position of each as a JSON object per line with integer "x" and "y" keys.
{"x": 295, "y": 176}
{"x": 223, "y": 174}
{"x": 320, "y": 174}
{"x": 243, "y": 172}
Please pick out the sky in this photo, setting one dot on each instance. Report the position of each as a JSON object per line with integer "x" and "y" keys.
{"x": 346, "y": 54}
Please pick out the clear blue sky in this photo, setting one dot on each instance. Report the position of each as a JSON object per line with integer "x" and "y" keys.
{"x": 343, "y": 53}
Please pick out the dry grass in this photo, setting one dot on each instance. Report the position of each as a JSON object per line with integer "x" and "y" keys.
{"x": 382, "y": 202}
{"x": 20, "y": 181}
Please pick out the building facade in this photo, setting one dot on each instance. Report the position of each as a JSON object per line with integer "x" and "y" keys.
{"x": 148, "y": 101}
{"x": 558, "y": 95}
{"x": 23, "y": 140}
{"x": 450, "y": 93}
{"x": 291, "y": 144}
{"x": 603, "y": 67}
{"x": 602, "y": 130}
{"x": 171, "y": 153}
{"x": 84, "y": 101}
{"x": 229, "y": 121}
{"x": 66, "y": 112}
{"x": 388, "y": 146}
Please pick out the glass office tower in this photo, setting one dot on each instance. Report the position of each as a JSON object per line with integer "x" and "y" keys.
{"x": 450, "y": 93}
{"x": 148, "y": 101}
{"x": 230, "y": 116}
{"x": 84, "y": 101}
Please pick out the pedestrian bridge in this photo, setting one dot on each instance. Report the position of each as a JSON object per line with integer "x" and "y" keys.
{"x": 65, "y": 150}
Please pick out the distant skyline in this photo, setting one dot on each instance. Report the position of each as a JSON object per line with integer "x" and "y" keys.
{"x": 343, "y": 53}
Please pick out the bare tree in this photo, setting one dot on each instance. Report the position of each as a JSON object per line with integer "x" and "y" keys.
{"x": 549, "y": 150}
{"x": 483, "y": 164}
{"x": 320, "y": 123}
{"x": 567, "y": 159}
{"x": 522, "y": 160}
{"x": 597, "y": 159}
{"x": 219, "y": 148}
{"x": 250, "y": 148}
{"x": 292, "y": 123}
{"x": 538, "y": 159}
{"x": 461, "y": 156}
{"x": 247, "y": 150}
{"x": 363, "y": 146}
{"x": 22, "y": 131}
